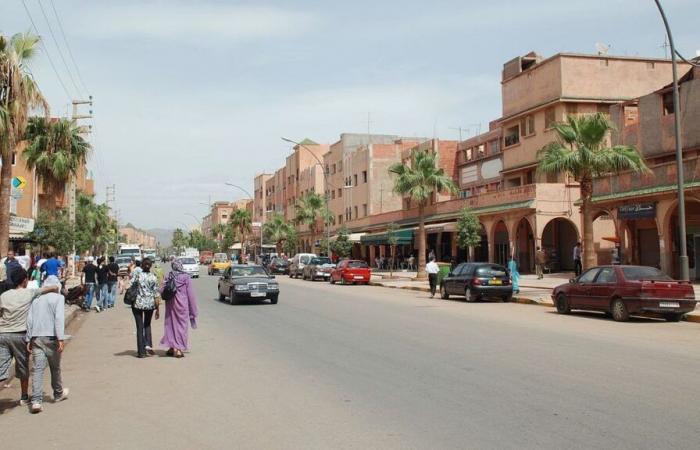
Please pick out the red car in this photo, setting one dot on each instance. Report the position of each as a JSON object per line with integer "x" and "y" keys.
{"x": 351, "y": 271}
{"x": 624, "y": 290}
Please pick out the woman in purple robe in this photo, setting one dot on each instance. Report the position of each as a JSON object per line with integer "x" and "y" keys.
{"x": 180, "y": 312}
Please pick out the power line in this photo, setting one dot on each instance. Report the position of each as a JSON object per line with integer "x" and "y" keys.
{"x": 58, "y": 47}
{"x": 70, "y": 52}
{"x": 48, "y": 56}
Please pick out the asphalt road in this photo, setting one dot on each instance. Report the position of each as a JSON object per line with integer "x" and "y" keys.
{"x": 367, "y": 367}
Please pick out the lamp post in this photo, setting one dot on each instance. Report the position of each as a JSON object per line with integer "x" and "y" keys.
{"x": 325, "y": 193}
{"x": 262, "y": 219}
{"x": 685, "y": 271}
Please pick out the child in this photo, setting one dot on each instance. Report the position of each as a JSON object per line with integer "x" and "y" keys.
{"x": 45, "y": 336}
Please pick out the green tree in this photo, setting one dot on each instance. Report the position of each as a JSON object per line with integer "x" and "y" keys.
{"x": 95, "y": 230}
{"x": 179, "y": 241}
{"x": 342, "y": 245}
{"x": 277, "y": 230}
{"x": 582, "y": 151}
{"x": 309, "y": 210}
{"x": 291, "y": 243}
{"x": 392, "y": 240}
{"x": 419, "y": 180}
{"x": 56, "y": 150}
{"x": 242, "y": 223}
{"x": 19, "y": 94}
{"x": 54, "y": 230}
{"x": 468, "y": 231}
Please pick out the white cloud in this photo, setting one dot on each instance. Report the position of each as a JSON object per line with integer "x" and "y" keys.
{"x": 192, "y": 21}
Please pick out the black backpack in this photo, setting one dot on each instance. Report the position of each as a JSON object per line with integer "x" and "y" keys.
{"x": 169, "y": 288}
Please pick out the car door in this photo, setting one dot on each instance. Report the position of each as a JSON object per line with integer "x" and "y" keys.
{"x": 602, "y": 289}
{"x": 338, "y": 271}
{"x": 462, "y": 278}
{"x": 225, "y": 282}
{"x": 451, "y": 280}
{"x": 581, "y": 290}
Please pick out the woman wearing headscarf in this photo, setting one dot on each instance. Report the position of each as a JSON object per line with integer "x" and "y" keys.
{"x": 180, "y": 312}
{"x": 143, "y": 307}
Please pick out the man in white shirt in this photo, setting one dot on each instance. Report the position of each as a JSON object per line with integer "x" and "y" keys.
{"x": 432, "y": 269}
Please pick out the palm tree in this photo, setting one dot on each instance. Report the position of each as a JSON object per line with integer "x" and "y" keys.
{"x": 18, "y": 95}
{"x": 56, "y": 150}
{"x": 307, "y": 212}
{"x": 242, "y": 222}
{"x": 582, "y": 151}
{"x": 419, "y": 181}
{"x": 277, "y": 229}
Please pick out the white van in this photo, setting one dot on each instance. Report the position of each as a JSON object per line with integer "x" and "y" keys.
{"x": 296, "y": 264}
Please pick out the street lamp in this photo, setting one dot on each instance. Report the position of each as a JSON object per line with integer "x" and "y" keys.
{"x": 262, "y": 218}
{"x": 685, "y": 271}
{"x": 325, "y": 192}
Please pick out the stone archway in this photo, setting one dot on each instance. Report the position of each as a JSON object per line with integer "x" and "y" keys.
{"x": 481, "y": 253}
{"x": 501, "y": 243}
{"x": 604, "y": 229}
{"x": 671, "y": 233}
{"x": 558, "y": 240}
{"x": 524, "y": 250}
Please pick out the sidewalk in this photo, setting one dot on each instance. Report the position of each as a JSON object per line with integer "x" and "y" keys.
{"x": 532, "y": 290}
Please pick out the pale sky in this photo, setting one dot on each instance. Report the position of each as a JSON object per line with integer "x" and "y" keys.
{"x": 191, "y": 94}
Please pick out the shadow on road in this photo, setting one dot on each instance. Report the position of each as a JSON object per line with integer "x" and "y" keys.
{"x": 604, "y": 317}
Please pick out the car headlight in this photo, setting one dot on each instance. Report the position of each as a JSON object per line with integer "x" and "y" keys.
{"x": 274, "y": 286}
{"x": 241, "y": 287}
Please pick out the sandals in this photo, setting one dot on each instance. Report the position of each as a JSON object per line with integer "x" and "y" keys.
{"x": 179, "y": 354}
{"x": 170, "y": 352}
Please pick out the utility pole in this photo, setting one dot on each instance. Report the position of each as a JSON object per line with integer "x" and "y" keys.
{"x": 110, "y": 199}
{"x": 72, "y": 183}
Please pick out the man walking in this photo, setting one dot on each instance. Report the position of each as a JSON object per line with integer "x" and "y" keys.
{"x": 432, "y": 268}
{"x": 14, "y": 308}
{"x": 45, "y": 336}
{"x": 11, "y": 263}
{"x": 103, "y": 293}
{"x": 112, "y": 279}
{"x": 577, "y": 259}
{"x": 540, "y": 261}
{"x": 88, "y": 279}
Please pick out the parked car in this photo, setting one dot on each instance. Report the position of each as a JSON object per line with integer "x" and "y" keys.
{"x": 190, "y": 266}
{"x": 249, "y": 282}
{"x": 296, "y": 265}
{"x": 278, "y": 265}
{"x": 351, "y": 271}
{"x": 624, "y": 290}
{"x": 219, "y": 264}
{"x": 476, "y": 281}
{"x": 319, "y": 267}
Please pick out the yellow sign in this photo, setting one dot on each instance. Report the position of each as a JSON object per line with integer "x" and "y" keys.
{"x": 19, "y": 182}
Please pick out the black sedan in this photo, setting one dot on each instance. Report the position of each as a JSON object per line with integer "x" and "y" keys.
{"x": 248, "y": 282}
{"x": 477, "y": 281}
{"x": 279, "y": 265}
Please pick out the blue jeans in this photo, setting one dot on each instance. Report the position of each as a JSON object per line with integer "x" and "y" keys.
{"x": 89, "y": 294}
{"x": 104, "y": 295}
{"x": 112, "y": 288}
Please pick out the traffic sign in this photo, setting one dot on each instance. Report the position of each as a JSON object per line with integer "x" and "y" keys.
{"x": 19, "y": 182}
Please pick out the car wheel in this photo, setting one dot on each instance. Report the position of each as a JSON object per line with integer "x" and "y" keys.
{"x": 673, "y": 317}
{"x": 443, "y": 292}
{"x": 468, "y": 296}
{"x": 234, "y": 299}
{"x": 273, "y": 299}
{"x": 619, "y": 312}
{"x": 507, "y": 298}
{"x": 563, "y": 306}
{"x": 222, "y": 297}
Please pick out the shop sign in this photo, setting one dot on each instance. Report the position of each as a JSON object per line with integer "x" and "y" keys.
{"x": 637, "y": 211}
{"x": 21, "y": 225}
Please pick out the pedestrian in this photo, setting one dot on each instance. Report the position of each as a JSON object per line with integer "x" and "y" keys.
{"x": 11, "y": 263}
{"x": 52, "y": 266}
{"x": 432, "y": 268}
{"x": 453, "y": 264}
{"x": 144, "y": 306}
{"x": 577, "y": 259}
{"x": 180, "y": 311}
{"x": 45, "y": 338}
{"x": 431, "y": 255}
{"x": 514, "y": 275}
{"x": 540, "y": 261}
{"x": 14, "y": 308}
{"x": 112, "y": 278}
{"x": 102, "y": 287}
{"x": 88, "y": 279}
{"x": 411, "y": 262}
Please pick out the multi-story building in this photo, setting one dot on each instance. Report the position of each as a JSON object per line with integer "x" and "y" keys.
{"x": 129, "y": 234}
{"x": 260, "y": 196}
{"x": 276, "y": 194}
{"x": 220, "y": 214}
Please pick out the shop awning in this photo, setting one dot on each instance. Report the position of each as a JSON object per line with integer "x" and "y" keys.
{"x": 403, "y": 237}
{"x": 352, "y": 237}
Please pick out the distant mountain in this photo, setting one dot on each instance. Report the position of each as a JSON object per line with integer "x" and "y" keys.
{"x": 163, "y": 236}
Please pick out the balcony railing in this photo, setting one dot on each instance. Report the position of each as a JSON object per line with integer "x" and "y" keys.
{"x": 663, "y": 175}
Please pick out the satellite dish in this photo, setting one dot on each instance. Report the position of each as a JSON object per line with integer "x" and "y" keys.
{"x": 603, "y": 49}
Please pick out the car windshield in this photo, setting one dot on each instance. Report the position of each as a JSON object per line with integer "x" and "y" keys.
{"x": 279, "y": 261}
{"x": 638, "y": 273}
{"x": 220, "y": 257}
{"x": 491, "y": 271}
{"x": 248, "y": 271}
{"x": 123, "y": 260}
{"x": 358, "y": 265}
{"x": 321, "y": 261}
{"x": 188, "y": 261}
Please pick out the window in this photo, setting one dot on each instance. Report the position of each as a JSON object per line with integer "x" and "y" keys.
{"x": 224, "y": 216}
{"x": 602, "y": 108}
{"x": 333, "y": 195}
{"x": 328, "y": 170}
{"x": 512, "y": 136}
{"x": 636, "y": 273}
{"x": 14, "y": 158}
{"x": 340, "y": 219}
{"x": 356, "y": 215}
{"x": 667, "y": 101}
{"x": 494, "y": 146}
{"x": 550, "y": 117}
{"x": 530, "y": 177}
{"x": 481, "y": 151}
{"x": 527, "y": 125}
{"x": 354, "y": 177}
{"x": 607, "y": 275}
{"x": 333, "y": 168}
{"x": 340, "y": 166}
{"x": 588, "y": 276}
{"x": 466, "y": 193}
{"x": 364, "y": 210}
{"x": 571, "y": 109}
{"x": 468, "y": 154}
{"x": 513, "y": 182}
{"x": 364, "y": 176}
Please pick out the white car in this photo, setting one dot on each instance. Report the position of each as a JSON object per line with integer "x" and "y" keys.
{"x": 190, "y": 266}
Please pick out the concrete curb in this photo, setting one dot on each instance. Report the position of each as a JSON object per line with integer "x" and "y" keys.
{"x": 521, "y": 300}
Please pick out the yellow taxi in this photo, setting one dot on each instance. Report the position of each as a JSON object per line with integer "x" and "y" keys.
{"x": 219, "y": 263}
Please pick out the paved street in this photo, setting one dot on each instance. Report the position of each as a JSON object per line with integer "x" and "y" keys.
{"x": 369, "y": 367}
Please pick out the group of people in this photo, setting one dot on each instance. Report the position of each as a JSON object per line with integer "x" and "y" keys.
{"x": 401, "y": 262}
{"x": 100, "y": 280}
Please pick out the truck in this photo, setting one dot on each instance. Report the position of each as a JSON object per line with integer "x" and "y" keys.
{"x": 205, "y": 257}
{"x": 150, "y": 253}
{"x": 191, "y": 252}
{"x": 132, "y": 250}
